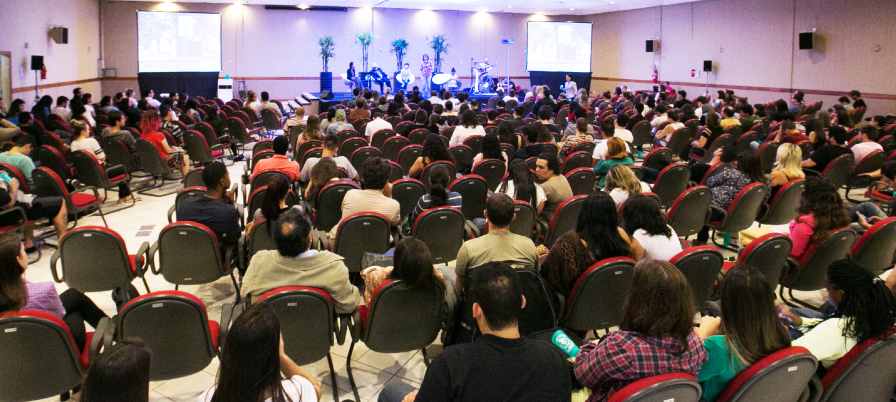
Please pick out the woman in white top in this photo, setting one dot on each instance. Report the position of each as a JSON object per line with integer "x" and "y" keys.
{"x": 865, "y": 310}
{"x": 83, "y": 142}
{"x": 254, "y": 366}
{"x": 621, "y": 183}
{"x": 253, "y": 103}
{"x": 663, "y": 137}
{"x": 652, "y": 238}
{"x": 90, "y": 114}
{"x": 468, "y": 127}
{"x": 491, "y": 149}
{"x": 521, "y": 186}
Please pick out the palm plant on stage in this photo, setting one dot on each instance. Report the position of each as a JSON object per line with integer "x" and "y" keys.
{"x": 327, "y": 44}
{"x": 364, "y": 39}
{"x": 439, "y": 45}
{"x": 399, "y": 47}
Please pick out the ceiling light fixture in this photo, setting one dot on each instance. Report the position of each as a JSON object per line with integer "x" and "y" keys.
{"x": 303, "y": 6}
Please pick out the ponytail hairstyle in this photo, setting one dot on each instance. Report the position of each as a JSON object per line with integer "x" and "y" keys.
{"x": 438, "y": 191}
{"x": 13, "y": 294}
{"x": 867, "y": 305}
{"x": 277, "y": 189}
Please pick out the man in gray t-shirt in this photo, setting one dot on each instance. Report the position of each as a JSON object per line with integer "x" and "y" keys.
{"x": 555, "y": 186}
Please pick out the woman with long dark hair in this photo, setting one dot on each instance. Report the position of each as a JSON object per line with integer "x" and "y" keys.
{"x": 17, "y": 106}
{"x": 254, "y": 366}
{"x": 412, "y": 265}
{"x": 41, "y": 109}
{"x": 506, "y": 135}
{"x": 274, "y": 202}
{"x": 597, "y": 236}
{"x": 652, "y": 238}
{"x": 544, "y": 135}
{"x": 322, "y": 173}
{"x": 520, "y": 185}
{"x": 121, "y": 373}
{"x": 468, "y": 127}
{"x": 656, "y": 335}
{"x": 491, "y": 149}
{"x": 751, "y": 329}
{"x": 841, "y": 118}
{"x": 820, "y": 211}
{"x": 438, "y": 196}
{"x": 434, "y": 150}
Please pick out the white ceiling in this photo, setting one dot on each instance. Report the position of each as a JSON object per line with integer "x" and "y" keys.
{"x": 551, "y": 7}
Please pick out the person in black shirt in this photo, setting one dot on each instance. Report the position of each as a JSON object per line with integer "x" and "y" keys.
{"x": 500, "y": 109}
{"x": 821, "y": 157}
{"x": 26, "y": 123}
{"x": 545, "y": 101}
{"x": 517, "y": 120}
{"x": 419, "y": 122}
{"x": 545, "y": 116}
{"x": 637, "y": 118}
{"x": 712, "y": 131}
{"x": 857, "y": 100}
{"x": 216, "y": 208}
{"x": 500, "y": 365}
{"x": 561, "y": 102}
{"x": 530, "y": 146}
{"x": 351, "y": 75}
{"x": 35, "y": 208}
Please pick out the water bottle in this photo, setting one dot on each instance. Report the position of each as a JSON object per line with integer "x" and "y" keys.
{"x": 564, "y": 343}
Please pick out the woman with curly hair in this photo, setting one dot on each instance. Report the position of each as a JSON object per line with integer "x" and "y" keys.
{"x": 821, "y": 211}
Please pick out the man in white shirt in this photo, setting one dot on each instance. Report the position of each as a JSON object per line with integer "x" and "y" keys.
{"x": 467, "y": 127}
{"x": 148, "y": 95}
{"x": 661, "y": 116}
{"x": 510, "y": 95}
{"x": 61, "y": 109}
{"x": 867, "y": 145}
{"x": 434, "y": 98}
{"x": 330, "y": 149}
{"x": 608, "y": 129}
{"x": 375, "y": 125}
{"x": 620, "y": 122}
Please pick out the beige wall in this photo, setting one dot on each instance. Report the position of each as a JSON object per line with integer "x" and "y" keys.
{"x": 754, "y": 49}
{"x": 276, "y": 51}
{"x": 68, "y": 65}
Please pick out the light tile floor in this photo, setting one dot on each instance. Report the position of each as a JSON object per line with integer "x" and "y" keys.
{"x": 371, "y": 370}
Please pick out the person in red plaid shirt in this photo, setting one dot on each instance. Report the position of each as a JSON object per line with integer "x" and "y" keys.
{"x": 656, "y": 335}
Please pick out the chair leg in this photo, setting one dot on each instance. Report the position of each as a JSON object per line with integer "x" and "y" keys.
{"x": 100, "y": 210}
{"x": 425, "y": 357}
{"x": 800, "y": 302}
{"x": 333, "y": 378}
{"x": 714, "y": 241}
{"x": 348, "y": 368}
{"x": 146, "y": 284}
{"x": 236, "y": 286}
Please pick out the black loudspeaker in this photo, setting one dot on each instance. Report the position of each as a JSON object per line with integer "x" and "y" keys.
{"x": 65, "y": 35}
{"x": 649, "y": 46}
{"x": 326, "y": 94}
{"x": 37, "y": 62}
{"x": 807, "y": 40}
{"x": 707, "y": 65}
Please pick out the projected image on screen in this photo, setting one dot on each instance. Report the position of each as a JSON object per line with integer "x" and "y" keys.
{"x": 559, "y": 46}
{"x": 177, "y": 42}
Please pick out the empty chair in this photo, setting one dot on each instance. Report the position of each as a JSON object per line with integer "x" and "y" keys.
{"x": 442, "y": 229}
{"x": 876, "y": 248}
{"x": 96, "y": 259}
{"x": 768, "y": 253}
{"x": 362, "y": 154}
{"x": 407, "y": 156}
{"x": 581, "y": 181}
{"x": 839, "y": 170}
{"x": 418, "y": 136}
{"x": 671, "y": 182}
{"x": 304, "y": 148}
{"x": 492, "y": 170}
{"x": 782, "y": 207}
{"x": 641, "y": 134}
{"x": 189, "y": 254}
{"x": 199, "y": 151}
{"x": 597, "y": 299}
{"x": 48, "y": 157}
{"x": 701, "y": 266}
{"x": 584, "y": 146}
{"x": 742, "y": 212}
{"x": 808, "y": 272}
{"x": 372, "y": 227}
{"x": 575, "y": 161}
{"x": 690, "y": 211}
{"x": 866, "y": 372}
{"x": 463, "y": 157}
{"x": 781, "y": 376}
{"x": 658, "y": 158}
{"x": 328, "y": 207}
{"x": 380, "y": 137}
{"x": 176, "y": 327}
{"x": 564, "y": 219}
{"x": 672, "y": 387}
{"x": 474, "y": 191}
{"x": 351, "y": 145}
{"x": 407, "y": 192}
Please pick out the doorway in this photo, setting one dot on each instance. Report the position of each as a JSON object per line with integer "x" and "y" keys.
{"x": 5, "y": 79}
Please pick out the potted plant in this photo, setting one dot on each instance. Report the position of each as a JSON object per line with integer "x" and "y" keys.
{"x": 364, "y": 39}
{"x": 398, "y": 47}
{"x": 439, "y": 45}
{"x": 327, "y": 44}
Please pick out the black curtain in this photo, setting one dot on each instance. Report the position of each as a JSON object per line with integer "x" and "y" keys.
{"x": 554, "y": 79}
{"x": 193, "y": 84}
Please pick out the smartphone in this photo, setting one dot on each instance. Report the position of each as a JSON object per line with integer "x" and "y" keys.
{"x": 861, "y": 216}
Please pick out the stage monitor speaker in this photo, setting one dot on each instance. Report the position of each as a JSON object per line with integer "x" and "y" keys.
{"x": 807, "y": 40}
{"x": 326, "y": 95}
{"x": 707, "y": 65}
{"x": 651, "y": 46}
{"x": 37, "y": 62}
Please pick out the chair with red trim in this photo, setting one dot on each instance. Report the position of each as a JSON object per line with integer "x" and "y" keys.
{"x": 427, "y": 170}
{"x": 876, "y": 248}
{"x": 153, "y": 164}
{"x": 524, "y": 220}
{"x": 14, "y": 173}
{"x": 418, "y": 135}
{"x": 207, "y": 131}
{"x": 782, "y": 207}
{"x": 768, "y": 253}
{"x": 808, "y": 273}
{"x": 597, "y": 298}
{"x": 475, "y": 143}
{"x": 238, "y": 133}
{"x": 90, "y": 171}
{"x": 189, "y": 254}
{"x": 720, "y": 141}
{"x": 380, "y": 137}
{"x": 258, "y": 181}
{"x": 768, "y": 154}
{"x": 96, "y": 259}
{"x": 781, "y": 376}
{"x": 176, "y": 327}
{"x": 741, "y": 213}
{"x": 463, "y": 157}
{"x": 346, "y": 134}
{"x": 584, "y": 146}
{"x": 680, "y": 139}
{"x": 51, "y": 158}
{"x": 183, "y": 194}
{"x": 199, "y": 151}
{"x": 701, "y": 266}
{"x": 870, "y": 163}
{"x": 259, "y": 156}
{"x": 671, "y": 182}
{"x": 565, "y": 219}
{"x": 42, "y": 359}
{"x": 492, "y": 170}
{"x": 258, "y": 239}
{"x": 349, "y": 146}
{"x": 442, "y": 229}
{"x": 575, "y": 161}
{"x": 714, "y": 170}
{"x": 838, "y": 171}
{"x": 867, "y": 372}
{"x": 641, "y": 134}
{"x": 744, "y": 142}
{"x": 269, "y": 121}
{"x": 581, "y": 181}
{"x": 394, "y": 144}
{"x": 474, "y": 191}
{"x": 407, "y": 192}
{"x": 48, "y": 184}
{"x": 316, "y": 152}
{"x": 658, "y": 158}
{"x": 672, "y": 387}
{"x": 689, "y": 213}
{"x": 363, "y": 232}
{"x": 328, "y": 206}
{"x": 256, "y": 198}
{"x": 398, "y": 319}
{"x": 362, "y": 154}
{"x": 308, "y": 323}
{"x": 304, "y": 147}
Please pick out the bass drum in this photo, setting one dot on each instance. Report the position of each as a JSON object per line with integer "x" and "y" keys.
{"x": 484, "y": 87}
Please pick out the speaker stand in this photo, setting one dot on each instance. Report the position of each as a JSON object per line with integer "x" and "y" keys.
{"x": 36, "y": 92}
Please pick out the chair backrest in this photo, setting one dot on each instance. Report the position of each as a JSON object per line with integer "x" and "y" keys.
{"x": 701, "y": 266}
{"x": 351, "y": 145}
{"x": 50, "y": 157}
{"x": 564, "y": 219}
{"x": 871, "y": 162}
{"x": 641, "y": 133}
{"x": 344, "y": 135}
{"x": 671, "y": 182}
{"x": 768, "y": 154}
{"x": 598, "y": 296}
{"x": 720, "y": 141}
{"x": 118, "y": 154}
{"x": 474, "y": 191}
{"x": 768, "y": 253}
{"x": 14, "y": 173}
{"x": 42, "y": 360}
{"x": 307, "y": 321}
{"x": 407, "y": 192}
{"x": 259, "y": 238}
{"x": 524, "y": 221}
{"x": 269, "y": 120}
{"x": 680, "y": 139}
{"x": 175, "y": 326}
{"x": 304, "y": 147}
{"x": 418, "y": 135}
{"x": 197, "y": 147}
{"x": 658, "y": 158}
{"x": 49, "y": 184}
{"x": 584, "y": 146}
{"x": 744, "y": 141}
{"x": 475, "y": 143}
{"x": 690, "y": 211}
{"x": 671, "y": 387}
{"x": 380, "y": 137}
{"x": 150, "y": 159}
{"x": 714, "y": 170}
{"x": 329, "y": 204}
{"x": 407, "y": 156}
{"x": 815, "y": 261}
{"x": 263, "y": 178}
{"x": 256, "y": 199}
{"x": 782, "y": 207}
{"x": 876, "y": 248}
{"x": 372, "y": 227}
{"x": 871, "y": 373}
{"x": 427, "y": 170}
{"x": 362, "y": 154}
{"x": 839, "y": 170}
{"x": 575, "y": 161}
{"x": 189, "y": 254}
{"x": 492, "y": 170}
{"x": 88, "y": 169}
{"x": 402, "y": 318}
{"x": 744, "y": 208}
{"x": 442, "y": 229}
{"x": 581, "y": 181}
{"x": 391, "y": 143}
{"x": 95, "y": 259}
{"x": 781, "y": 376}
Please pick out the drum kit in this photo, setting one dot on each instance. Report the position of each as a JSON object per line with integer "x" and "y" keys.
{"x": 484, "y": 84}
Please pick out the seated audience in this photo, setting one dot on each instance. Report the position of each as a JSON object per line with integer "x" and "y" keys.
{"x": 597, "y": 236}
{"x": 468, "y": 127}
{"x": 267, "y": 104}
{"x": 544, "y": 135}
{"x": 168, "y": 122}
{"x": 117, "y": 131}
{"x": 866, "y": 214}
{"x": 8, "y": 129}
{"x": 652, "y": 238}
{"x": 325, "y": 123}
{"x": 616, "y": 155}
{"x": 619, "y": 128}
{"x": 216, "y": 208}
{"x": 294, "y": 263}
{"x": 18, "y": 157}
{"x": 253, "y": 103}
{"x": 29, "y": 127}
{"x": 323, "y": 173}
{"x": 491, "y": 149}
{"x": 729, "y": 120}
{"x": 420, "y": 121}
{"x": 375, "y": 197}
{"x": 297, "y": 120}
{"x": 507, "y": 136}
{"x": 279, "y": 162}
{"x": 571, "y": 129}
{"x": 621, "y": 183}
{"x": 62, "y": 109}
{"x": 787, "y": 167}
{"x": 789, "y": 133}
{"x": 360, "y": 111}
{"x": 663, "y": 137}
{"x": 120, "y": 373}
{"x": 820, "y": 212}
{"x": 274, "y": 203}
{"x": 254, "y": 366}
{"x": 529, "y": 369}
{"x": 571, "y": 141}
{"x": 556, "y": 187}
{"x": 434, "y": 150}
{"x": 83, "y": 142}
{"x": 312, "y": 132}
{"x": 545, "y": 117}
{"x": 711, "y": 131}
{"x": 867, "y": 145}
{"x": 530, "y": 147}
{"x": 726, "y": 185}
{"x": 751, "y": 329}
{"x": 656, "y": 335}
{"x": 600, "y": 150}
{"x": 174, "y": 158}
{"x": 438, "y": 196}
{"x": 824, "y": 155}
{"x": 375, "y": 125}
{"x": 338, "y": 124}
{"x": 330, "y": 150}
{"x": 413, "y": 266}
{"x": 520, "y": 185}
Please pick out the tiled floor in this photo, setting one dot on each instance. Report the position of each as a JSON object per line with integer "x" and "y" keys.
{"x": 371, "y": 370}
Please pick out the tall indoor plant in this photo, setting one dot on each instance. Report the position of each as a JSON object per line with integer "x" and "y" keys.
{"x": 364, "y": 39}
{"x": 399, "y": 47}
{"x": 439, "y": 45}
{"x": 327, "y": 44}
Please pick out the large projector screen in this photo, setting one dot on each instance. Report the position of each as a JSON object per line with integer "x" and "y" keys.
{"x": 559, "y": 46}
{"x": 178, "y": 42}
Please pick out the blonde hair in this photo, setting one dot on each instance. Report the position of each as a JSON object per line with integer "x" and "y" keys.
{"x": 621, "y": 177}
{"x": 790, "y": 158}
{"x": 616, "y": 148}
{"x": 539, "y": 90}
{"x": 250, "y": 97}
{"x": 583, "y": 96}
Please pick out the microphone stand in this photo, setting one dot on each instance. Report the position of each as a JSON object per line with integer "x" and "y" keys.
{"x": 472, "y": 78}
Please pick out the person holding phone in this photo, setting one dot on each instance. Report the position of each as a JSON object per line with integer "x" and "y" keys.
{"x": 866, "y": 214}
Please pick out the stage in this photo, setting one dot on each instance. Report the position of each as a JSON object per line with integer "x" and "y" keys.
{"x": 338, "y": 97}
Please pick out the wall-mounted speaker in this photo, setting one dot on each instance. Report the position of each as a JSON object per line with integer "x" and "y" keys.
{"x": 707, "y": 65}
{"x": 807, "y": 40}
{"x": 651, "y": 45}
{"x": 326, "y": 95}
{"x": 37, "y": 63}
{"x": 59, "y": 35}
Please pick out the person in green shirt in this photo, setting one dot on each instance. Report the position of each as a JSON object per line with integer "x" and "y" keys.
{"x": 616, "y": 155}
{"x": 17, "y": 156}
{"x": 752, "y": 330}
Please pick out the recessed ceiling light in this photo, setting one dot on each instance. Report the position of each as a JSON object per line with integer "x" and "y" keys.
{"x": 509, "y": 6}
{"x": 572, "y": 9}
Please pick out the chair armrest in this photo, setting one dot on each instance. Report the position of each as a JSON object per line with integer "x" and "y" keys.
{"x": 241, "y": 253}
{"x": 560, "y": 302}
{"x": 142, "y": 251}
{"x": 226, "y": 317}
{"x": 233, "y": 190}
{"x": 228, "y": 259}
{"x": 98, "y": 336}
{"x": 217, "y": 147}
{"x": 354, "y": 325}
{"x": 811, "y": 172}
{"x": 53, "y": 259}
{"x": 724, "y": 217}
{"x": 152, "y": 258}
{"x": 171, "y": 214}
{"x": 343, "y": 323}
{"x": 541, "y": 228}
{"x": 814, "y": 391}
{"x": 123, "y": 168}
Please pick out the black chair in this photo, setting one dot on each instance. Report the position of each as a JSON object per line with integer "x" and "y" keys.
{"x": 463, "y": 157}
{"x": 870, "y": 163}
{"x": 328, "y": 207}
{"x": 189, "y": 254}
{"x": 781, "y": 376}
{"x": 680, "y": 139}
{"x": 597, "y": 299}
{"x": 305, "y": 147}
{"x": 407, "y": 192}
{"x": 701, "y": 266}
{"x": 474, "y": 191}
{"x": 868, "y": 370}
{"x": 380, "y": 137}
{"x": 689, "y": 213}
{"x": 808, "y": 272}
{"x": 671, "y": 387}
{"x": 876, "y": 248}
{"x": 523, "y": 223}
{"x": 153, "y": 164}
{"x": 48, "y": 184}
{"x": 351, "y": 145}
{"x": 671, "y": 182}
{"x": 256, "y": 198}
{"x": 418, "y": 136}
{"x": 839, "y": 170}
{"x": 442, "y": 229}
{"x": 199, "y": 151}
{"x": 576, "y": 160}
{"x": 492, "y": 170}
{"x": 768, "y": 154}
{"x": 742, "y": 212}
{"x": 183, "y": 194}
{"x": 427, "y": 170}
{"x": 362, "y": 154}
{"x": 407, "y": 156}
{"x": 581, "y": 181}
{"x": 50, "y": 157}
{"x": 374, "y": 228}
{"x": 714, "y": 170}
{"x": 782, "y": 207}
{"x": 96, "y": 259}
{"x": 768, "y": 253}
{"x": 565, "y": 219}
{"x": 89, "y": 171}
{"x": 393, "y": 145}
{"x": 658, "y": 158}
